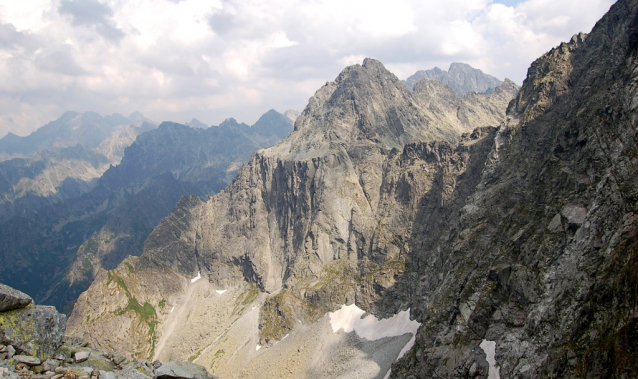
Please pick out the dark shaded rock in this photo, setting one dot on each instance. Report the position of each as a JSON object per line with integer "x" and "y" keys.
{"x": 11, "y": 298}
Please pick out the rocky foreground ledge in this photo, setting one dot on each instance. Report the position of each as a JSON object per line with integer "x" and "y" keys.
{"x": 32, "y": 345}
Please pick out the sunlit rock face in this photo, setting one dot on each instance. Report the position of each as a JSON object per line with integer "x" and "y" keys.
{"x": 320, "y": 220}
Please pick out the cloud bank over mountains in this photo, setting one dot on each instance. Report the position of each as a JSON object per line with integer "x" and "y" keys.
{"x": 179, "y": 59}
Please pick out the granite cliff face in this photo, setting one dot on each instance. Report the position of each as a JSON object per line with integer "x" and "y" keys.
{"x": 540, "y": 258}
{"x": 318, "y": 221}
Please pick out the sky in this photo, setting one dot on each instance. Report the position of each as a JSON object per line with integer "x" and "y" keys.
{"x": 173, "y": 60}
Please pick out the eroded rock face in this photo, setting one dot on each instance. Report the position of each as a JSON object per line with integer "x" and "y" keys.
{"x": 515, "y": 247}
{"x": 541, "y": 257}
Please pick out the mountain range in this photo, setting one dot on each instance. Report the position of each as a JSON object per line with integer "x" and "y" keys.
{"x": 65, "y": 242}
{"x": 328, "y": 207}
{"x": 489, "y": 235}
{"x": 62, "y": 159}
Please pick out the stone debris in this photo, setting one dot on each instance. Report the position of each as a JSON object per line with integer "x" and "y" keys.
{"x": 89, "y": 363}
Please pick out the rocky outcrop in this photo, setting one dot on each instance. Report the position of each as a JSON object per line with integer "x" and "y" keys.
{"x": 11, "y": 298}
{"x": 181, "y": 370}
{"x": 34, "y": 330}
{"x": 461, "y": 77}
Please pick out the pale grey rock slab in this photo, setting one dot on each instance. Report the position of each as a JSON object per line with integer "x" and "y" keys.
{"x": 31, "y": 361}
{"x": 81, "y": 356}
{"x": 182, "y": 370}
{"x": 50, "y": 364}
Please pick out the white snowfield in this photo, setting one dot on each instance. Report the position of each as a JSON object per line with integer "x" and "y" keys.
{"x": 220, "y": 292}
{"x": 198, "y": 277}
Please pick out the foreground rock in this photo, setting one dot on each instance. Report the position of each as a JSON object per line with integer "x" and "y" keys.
{"x": 94, "y": 364}
{"x": 34, "y": 330}
{"x": 181, "y": 370}
{"x": 36, "y": 333}
{"x": 11, "y": 298}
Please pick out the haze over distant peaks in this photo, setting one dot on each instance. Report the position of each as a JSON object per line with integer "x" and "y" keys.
{"x": 462, "y": 77}
{"x": 88, "y": 129}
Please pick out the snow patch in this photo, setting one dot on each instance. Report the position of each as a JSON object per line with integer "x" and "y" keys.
{"x": 348, "y": 319}
{"x": 220, "y": 292}
{"x": 489, "y": 347}
{"x": 198, "y": 277}
{"x": 172, "y": 309}
{"x": 257, "y": 347}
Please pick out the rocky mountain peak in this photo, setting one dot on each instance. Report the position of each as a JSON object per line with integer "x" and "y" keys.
{"x": 368, "y": 106}
{"x": 461, "y": 77}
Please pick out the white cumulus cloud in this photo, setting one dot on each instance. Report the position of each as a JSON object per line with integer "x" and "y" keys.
{"x": 178, "y": 59}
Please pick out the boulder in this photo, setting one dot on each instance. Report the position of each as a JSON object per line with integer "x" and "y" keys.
{"x": 27, "y": 360}
{"x": 132, "y": 373}
{"x": 11, "y": 351}
{"x": 11, "y": 298}
{"x": 35, "y": 330}
{"x": 50, "y": 364}
{"x": 182, "y": 370}
{"x": 81, "y": 356}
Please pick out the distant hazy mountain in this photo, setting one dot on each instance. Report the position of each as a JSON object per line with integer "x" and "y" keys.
{"x": 66, "y": 243}
{"x": 62, "y": 159}
{"x": 195, "y": 123}
{"x": 462, "y": 77}
{"x": 88, "y": 129}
